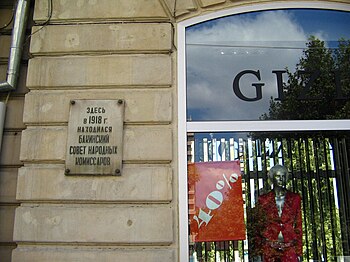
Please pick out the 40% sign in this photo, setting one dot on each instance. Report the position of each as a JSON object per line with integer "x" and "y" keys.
{"x": 214, "y": 199}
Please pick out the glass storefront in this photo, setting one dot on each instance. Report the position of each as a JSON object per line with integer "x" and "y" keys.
{"x": 266, "y": 194}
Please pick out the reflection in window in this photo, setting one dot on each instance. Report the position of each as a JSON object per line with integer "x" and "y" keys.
{"x": 318, "y": 170}
{"x": 279, "y": 65}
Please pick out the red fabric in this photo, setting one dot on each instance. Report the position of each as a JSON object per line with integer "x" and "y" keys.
{"x": 215, "y": 201}
{"x": 290, "y": 224}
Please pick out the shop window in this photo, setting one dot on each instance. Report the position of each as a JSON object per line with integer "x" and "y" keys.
{"x": 267, "y": 90}
{"x": 317, "y": 165}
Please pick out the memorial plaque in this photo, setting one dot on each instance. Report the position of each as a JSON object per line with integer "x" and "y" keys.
{"x": 95, "y": 137}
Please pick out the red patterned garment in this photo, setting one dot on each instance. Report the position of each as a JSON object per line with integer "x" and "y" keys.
{"x": 271, "y": 224}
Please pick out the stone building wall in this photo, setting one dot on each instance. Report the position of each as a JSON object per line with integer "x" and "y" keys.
{"x": 96, "y": 49}
{"x": 11, "y": 140}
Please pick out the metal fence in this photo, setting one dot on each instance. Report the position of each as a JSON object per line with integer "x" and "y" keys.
{"x": 319, "y": 170}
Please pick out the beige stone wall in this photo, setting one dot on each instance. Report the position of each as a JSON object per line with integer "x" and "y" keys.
{"x": 10, "y": 150}
{"x": 97, "y": 49}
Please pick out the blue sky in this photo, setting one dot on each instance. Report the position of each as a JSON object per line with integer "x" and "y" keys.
{"x": 218, "y": 50}
{"x": 335, "y": 23}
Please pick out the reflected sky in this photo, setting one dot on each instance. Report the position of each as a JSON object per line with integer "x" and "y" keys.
{"x": 217, "y": 50}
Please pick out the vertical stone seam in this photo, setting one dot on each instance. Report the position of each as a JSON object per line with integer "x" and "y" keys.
{"x": 199, "y": 5}
{"x": 167, "y": 9}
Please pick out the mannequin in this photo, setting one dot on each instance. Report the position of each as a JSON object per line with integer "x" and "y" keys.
{"x": 279, "y": 238}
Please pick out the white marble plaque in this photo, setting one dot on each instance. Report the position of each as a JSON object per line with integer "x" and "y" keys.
{"x": 95, "y": 137}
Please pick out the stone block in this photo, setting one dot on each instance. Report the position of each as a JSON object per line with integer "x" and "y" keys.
{"x": 141, "y": 144}
{"x": 100, "y": 71}
{"x": 91, "y": 254}
{"x": 14, "y": 113}
{"x": 153, "y": 105}
{"x": 5, "y": 18}
{"x": 43, "y": 143}
{"x": 151, "y": 224}
{"x": 148, "y": 143}
{"x": 171, "y": 5}
{"x": 184, "y": 7}
{"x": 3, "y": 70}
{"x": 10, "y": 149}
{"x": 205, "y": 3}
{"x": 5, "y": 43}
{"x": 110, "y": 38}
{"x": 8, "y": 185}
{"x": 90, "y": 10}
{"x": 136, "y": 184}
{"x": 7, "y": 217}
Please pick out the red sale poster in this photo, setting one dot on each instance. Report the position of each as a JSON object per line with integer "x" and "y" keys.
{"x": 215, "y": 201}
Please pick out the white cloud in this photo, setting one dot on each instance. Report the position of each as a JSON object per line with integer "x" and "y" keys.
{"x": 213, "y": 64}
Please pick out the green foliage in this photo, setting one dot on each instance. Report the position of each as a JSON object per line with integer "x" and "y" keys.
{"x": 323, "y": 100}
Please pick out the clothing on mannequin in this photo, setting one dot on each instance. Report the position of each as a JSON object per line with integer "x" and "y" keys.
{"x": 279, "y": 234}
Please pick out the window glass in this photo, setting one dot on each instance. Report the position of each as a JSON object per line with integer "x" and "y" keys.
{"x": 288, "y": 64}
{"x": 269, "y": 65}
{"x": 232, "y": 214}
